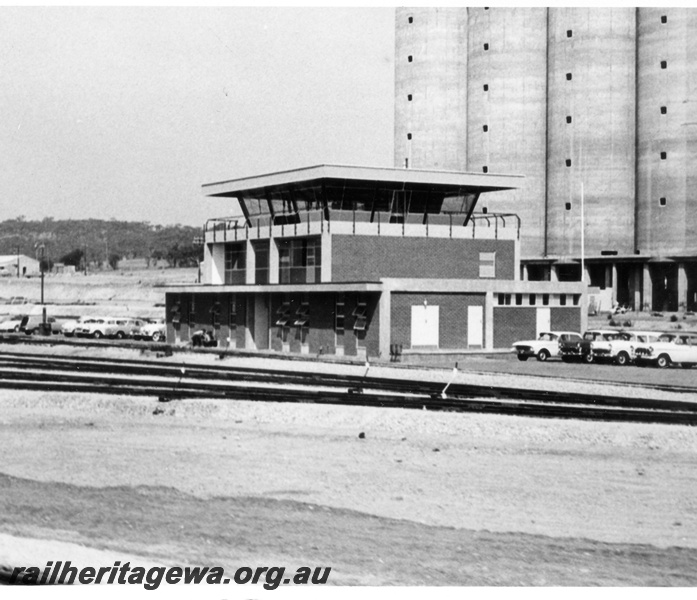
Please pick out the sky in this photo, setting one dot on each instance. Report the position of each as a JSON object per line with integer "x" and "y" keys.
{"x": 123, "y": 113}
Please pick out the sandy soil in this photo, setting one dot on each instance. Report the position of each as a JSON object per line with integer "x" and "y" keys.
{"x": 423, "y": 498}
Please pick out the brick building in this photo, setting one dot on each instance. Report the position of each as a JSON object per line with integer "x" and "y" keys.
{"x": 353, "y": 261}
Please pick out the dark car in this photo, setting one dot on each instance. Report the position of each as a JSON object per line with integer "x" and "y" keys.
{"x": 580, "y": 350}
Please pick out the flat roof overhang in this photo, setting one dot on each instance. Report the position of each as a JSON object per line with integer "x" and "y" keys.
{"x": 403, "y": 179}
{"x": 279, "y": 288}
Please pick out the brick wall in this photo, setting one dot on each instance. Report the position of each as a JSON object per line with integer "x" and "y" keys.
{"x": 320, "y": 333}
{"x": 566, "y": 318}
{"x": 368, "y": 258}
{"x": 514, "y": 323}
{"x": 452, "y": 317}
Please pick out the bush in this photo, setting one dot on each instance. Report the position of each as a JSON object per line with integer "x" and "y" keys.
{"x": 613, "y": 323}
{"x": 627, "y": 324}
{"x": 673, "y": 318}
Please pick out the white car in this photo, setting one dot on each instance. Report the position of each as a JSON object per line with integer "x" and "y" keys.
{"x": 670, "y": 348}
{"x": 92, "y": 327}
{"x": 155, "y": 331}
{"x": 545, "y": 346}
{"x": 12, "y": 324}
{"x": 622, "y": 350}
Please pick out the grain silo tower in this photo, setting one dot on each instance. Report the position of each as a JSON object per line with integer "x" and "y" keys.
{"x": 507, "y": 110}
{"x": 431, "y": 88}
{"x": 591, "y": 131}
{"x": 667, "y": 131}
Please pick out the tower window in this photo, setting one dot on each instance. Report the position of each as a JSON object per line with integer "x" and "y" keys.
{"x": 410, "y": 58}
{"x": 662, "y": 201}
{"x": 664, "y": 19}
{"x": 485, "y": 128}
{"x": 664, "y": 155}
{"x": 409, "y": 97}
{"x": 664, "y": 110}
{"x": 485, "y": 210}
{"x": 568, "y": 162}
{"x": 486, "y": 46}
{"x": 568, "y": 118}
{"x": 569, "y": 33}
{"x": 568, "y": 206}
{"x": 486, "y": 87}
{"x": 664, "y": 64}
{"x": 408, "y": 136}
{"x": 568, "y": 76}
{"x": 485, "y": 169}
{"x": 411, "y": 19}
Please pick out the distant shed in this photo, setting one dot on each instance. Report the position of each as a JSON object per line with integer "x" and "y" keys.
{"x": 10, "y": 263}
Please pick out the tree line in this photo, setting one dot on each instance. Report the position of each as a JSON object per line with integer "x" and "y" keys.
{"x": 100, "y": 243}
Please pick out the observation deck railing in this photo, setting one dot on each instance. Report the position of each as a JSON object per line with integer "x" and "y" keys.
{"x": 357, "y": 222}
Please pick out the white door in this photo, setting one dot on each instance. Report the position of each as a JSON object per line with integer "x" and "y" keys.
{"x": 424, "y": 325}
{"x": 475, "y": 326}
{"x": 544, "y": 320}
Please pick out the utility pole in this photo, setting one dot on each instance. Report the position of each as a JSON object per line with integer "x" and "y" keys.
{"x": 18, "y": 269}
{"x": 42, "y": 255}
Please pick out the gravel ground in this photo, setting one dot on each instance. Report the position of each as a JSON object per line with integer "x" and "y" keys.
{"x": 491, "y": 500}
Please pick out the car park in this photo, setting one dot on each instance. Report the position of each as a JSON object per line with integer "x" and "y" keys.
{"x": 545, "y": 346}
{"x": 571, "y": 350}
{"x": 670, "y": 348}
{"x": 622, "y": 349}
{"x": 12, "y": 324}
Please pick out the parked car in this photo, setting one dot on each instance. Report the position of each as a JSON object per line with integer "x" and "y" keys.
{"x": 92, "y": 327}
{"x": 12, "y": 324}
{"x": 571, "y": 350}
{"x": 670, "y": 348}
{"x": 32, "y": 324}
{"x": 545, "y": 346}
{"x": 68, "y": 327}
{"x": 622, "y": 349}
{"x": 121, "y": 328}
{"x": 155, "y": 331}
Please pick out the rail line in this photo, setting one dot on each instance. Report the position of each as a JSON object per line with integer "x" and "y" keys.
{"x": 87, "y": 344}
{"x": 170, "y": 381}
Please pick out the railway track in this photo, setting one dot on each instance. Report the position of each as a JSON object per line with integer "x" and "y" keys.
{"x": 168, "y": 381}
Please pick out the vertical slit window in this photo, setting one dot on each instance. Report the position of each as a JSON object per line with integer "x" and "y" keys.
{"x": 664, "y": 110}
{"x": 664, "y": 64}
{"x": 569, "y": 33}
{"x": 485, "y": 169}
{"x": 569, "y": 76}
{"x": 486, "y": 47}
{"x": 485, "y": 128}
{"x": 662, "y": 201}
{"x": 486, "y": 87}
{"x": 664, "y": 155}
{"x": 411, "y": 19}
{"x": 410, "y": 58}
{"x": 569, "y": 119}
{"x": 568, "y": 162}
{"x": 409, "y": 97}
{"x": 664, "y": 19}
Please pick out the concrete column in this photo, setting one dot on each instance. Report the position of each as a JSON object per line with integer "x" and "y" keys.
{"x": 215, "y": 275}
{"x": 682, "y": 287}
{"x": 489, "y": 321}
{"x": 586, "y": 275}
{"x": 613, "y": 282}
{"x": 636, "y": 286}
{"x": 608, "y": 276}
{"x": 553, "y": 273}
{"x": 385, "y": 323}
{"x": 646, "y": 288}
{"x": 250, "y": 263}
{"x": 273, "y": 261}
{"x": 524, "y": 272}
{"x": 326, "y": 267}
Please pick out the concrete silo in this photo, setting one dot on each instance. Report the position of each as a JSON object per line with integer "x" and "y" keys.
{"x": 507, "y": 110}
{"x": 667, "y": 131}
{"x": 591, "y": 130}
{"x": 667, "y": 156}
{"x": 431, "y": 88}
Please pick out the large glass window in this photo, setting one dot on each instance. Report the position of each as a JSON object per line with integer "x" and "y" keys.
{"x": 235, "y": 263}
{"x": 300, "y": 260}
{"x": 261, "y": 261}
